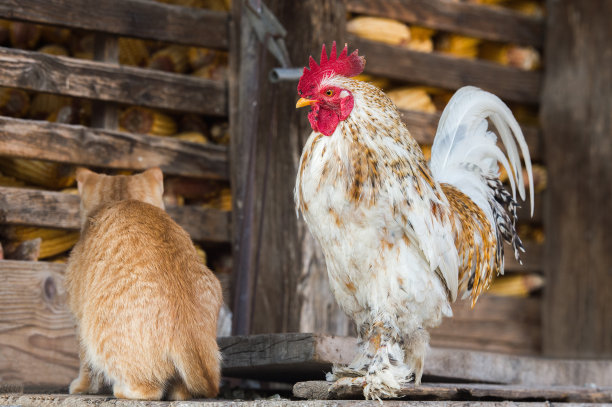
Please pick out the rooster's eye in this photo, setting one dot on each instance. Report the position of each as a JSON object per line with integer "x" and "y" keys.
{"x": 329, "y": 92}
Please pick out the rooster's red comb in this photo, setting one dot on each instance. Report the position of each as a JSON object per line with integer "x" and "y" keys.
{"x": 343, "y": 64}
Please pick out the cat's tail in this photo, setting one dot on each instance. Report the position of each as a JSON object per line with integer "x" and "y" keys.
{"x": 198, "y": 364}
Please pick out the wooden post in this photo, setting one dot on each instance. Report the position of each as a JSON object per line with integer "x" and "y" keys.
{"x": 280, "y": 276}
{"x": 106, "y": 48}
{"x": 577, "y": 125}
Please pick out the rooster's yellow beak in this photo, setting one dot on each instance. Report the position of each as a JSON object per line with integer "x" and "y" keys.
{"x": 305, "y": 102}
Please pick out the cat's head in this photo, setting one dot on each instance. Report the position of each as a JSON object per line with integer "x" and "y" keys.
{"x": 99, "y": 189}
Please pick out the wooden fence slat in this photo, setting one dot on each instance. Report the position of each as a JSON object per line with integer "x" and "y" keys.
{"x": 103, "y": 148}
{"x": 130, "y": 18}
{"x": 59, "y": 210}
{"x": 490, "y": 23}
{"x": 436, "y": 69}
{"x": 108, "y": 82}
{"x": 461, "y": 391}
{"x": 423, "y": 126}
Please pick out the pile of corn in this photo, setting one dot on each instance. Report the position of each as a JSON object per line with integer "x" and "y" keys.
{"x": 48, "y": 242}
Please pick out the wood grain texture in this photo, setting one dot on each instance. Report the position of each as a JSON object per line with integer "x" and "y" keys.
{"x": 63, "y": 400}
{"x": 508, "y": 325}
{"x": 444, "y": 71}
{"x": 130, "y": 18}
{"x": 575, "y": 116}
{"x": 463, "y": 391}
{"x": 102, "y": 148}
{"x": 319, "y": 352}
{"x": 491, "y": 23}
{"x": 37, "y": 332}
{"x": 59, "y": 210}
{"x": 108, "y": 82}
{"x": 423, "y": 126}
{"x": 280, "y": 270}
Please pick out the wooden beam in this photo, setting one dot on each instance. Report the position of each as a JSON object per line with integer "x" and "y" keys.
{"x": 108, "y": 82}
{"x": 58, "y": 210}
{"x": 575, "y": 116}
{"x": 80, "y": 145}
{"x": 490, "y": 23}
{"x": 444, "y": 71}
{"x": 130, "y": 18}
{"x": 310, "y": 356}
{"x": 423, "y": 126}
{"x": 459, "y": 391}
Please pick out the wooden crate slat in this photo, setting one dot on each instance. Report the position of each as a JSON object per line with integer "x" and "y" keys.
{"x": 130, "y": 18}
{"x": 37, "y": 332}
{"x": 436, "y": 69}
{"x": 423, "y": 126}
{"x": 108, "y": 82}
{"x": 103, "y": 148}
{"x": 490, "y": 23}
{"x": 59, "y": 210}
{"x": 532, "y": 258}
{"x": 257, "y": 356}
{"x": 461, "y": 391}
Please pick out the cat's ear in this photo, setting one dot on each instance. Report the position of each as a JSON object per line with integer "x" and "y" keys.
{"x": 156, "y": 175}
{"x": 81, "y": 175}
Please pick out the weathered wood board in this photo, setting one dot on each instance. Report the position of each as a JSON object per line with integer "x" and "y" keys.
{"x": 463, "y": 391}
{"x": 286, "y": 357}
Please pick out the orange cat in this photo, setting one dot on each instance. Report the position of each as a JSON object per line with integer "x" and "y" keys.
{"x": 146, "y": 306}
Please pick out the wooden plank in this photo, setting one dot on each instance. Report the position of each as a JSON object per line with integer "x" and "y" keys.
{"x": 102, "y": 148}
{"x": 130, "y": 18}
{"x": 490, "y": 23}
{"x": 436, "y": 69}
{"x": 307, "y": 355}
{"x": 108, "y": 82}
{"x": 510, "y": 325}
{"x": 575, "y": 114}
{"x": 37, "y": 340}
{"x": 63, "y": 400}
{"x": 423, "y": 128}
{"x": 105, "y": 115}
{"x": 58, "y": 210}
{"x": 462, "y": 391}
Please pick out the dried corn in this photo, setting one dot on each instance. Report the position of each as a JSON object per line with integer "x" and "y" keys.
{"x": 522, "y": 57}
{"x": 54, "y": 241}
{"x": 8, "y": 181}
{"x": 199, "y": 57}
{"x": 143, "y": 120}
{"x": 421, "y": 39}
{"x": 530, "y": 8}
{"x": 54, "y": 49}
{"x": 380, "y": 29}
{"x": 192, "y": 136}
{"x": 82, "y": 46}
{"x": 412, "y": 98}
{"x": 170, "y": 59}
{"x": 518, "y": 285}
{"x": 58, "y": 244}
{"x": 43, "y": 104}
{"x": 41, "y": 173}
{"x": 216, "y": 70}
{"x": 458, "y": 45}
{"x": 219, "y": 133}
{"x": 379, "y": 82}
{"x": 14, "y": 102}
{"x": 24, "y": 35}
{"x": 133, "y": 51}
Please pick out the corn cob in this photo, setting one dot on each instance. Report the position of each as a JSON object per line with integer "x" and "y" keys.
{"x": 526, "y": 58}
{"x": 28, "y": 250}
{"x": 199, "y": 57}
{"x": 43, "y": 104}
{"x": 58, "y": 244}
{"x": 54, "y": 49}
{"x": 82, "y": 46}
{"x": 133, "y": 52}
{"x": 41, "y": 173}
{"x": 380, "y": 29}
{"x": 7, "y": 181}
{"x": 192, "y": 136}
{"x": 412, "y": 98}
{"x": 530, "y": 8}
{"x": 219, "y": 133}
{"x": 24, "y": 35}
{"x": 143, "y": 120}
{"x": 518, "y": 285}
{"x": 216, "y": 70}
{"x": 379, "y": 82}
{"x": 18, "y": 233}
{"x": 458, "y": 45}
{"x": 14, "y": 102}
{"x": 170, "y": 59}
{"x": 421, "y": 39}
{"x": 55, "y": 35}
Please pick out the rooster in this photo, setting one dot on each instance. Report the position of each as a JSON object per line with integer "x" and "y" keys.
{"x": 401, "y": 237}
